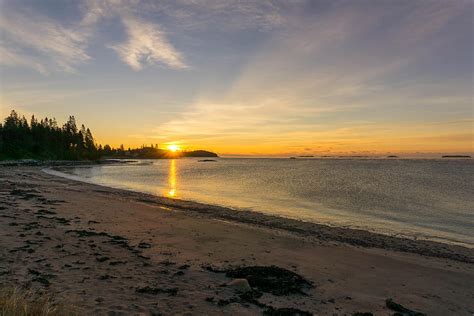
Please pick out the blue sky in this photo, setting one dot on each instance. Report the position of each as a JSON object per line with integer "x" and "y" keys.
{"x": 247, "y": 77}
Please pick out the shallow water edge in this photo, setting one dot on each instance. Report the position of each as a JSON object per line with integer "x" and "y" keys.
{"x": 355, "y": 237}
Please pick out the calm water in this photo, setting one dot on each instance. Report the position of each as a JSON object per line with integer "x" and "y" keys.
{"x": 418, "y": 198}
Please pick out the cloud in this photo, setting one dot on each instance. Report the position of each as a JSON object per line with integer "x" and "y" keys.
{"x": 323, "y": 68}
{"x": 227, "y": 15}
{"x": 62, "y": 43}
{"x": 10, "y": 57}
{"x": 29, "y": 34}
{"x": 147, "y": 45}
{"x": 146, "y": 42}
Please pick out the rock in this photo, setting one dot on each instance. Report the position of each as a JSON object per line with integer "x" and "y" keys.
{"x": 117, "y": 262}
{"x": 184, "y": 267}
{"x": 41, "y": 280}
{"x": 105, "y": 277}
{"x": 240, "y": 285}
{"x": 144, "y": 245}
{"x": 155, "y": 290}
{"x": 271, "y": 311}
{"x": 102, "y": 259}
{"x": 167, "y": 263}
{"x": 401, "y": 309}
{"x": 271, "y": 279}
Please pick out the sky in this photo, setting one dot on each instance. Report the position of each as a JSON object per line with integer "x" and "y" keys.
{"x": 263, "y": 78}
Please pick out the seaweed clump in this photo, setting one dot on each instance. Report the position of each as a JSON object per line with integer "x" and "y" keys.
{"x": 271, "y": 279}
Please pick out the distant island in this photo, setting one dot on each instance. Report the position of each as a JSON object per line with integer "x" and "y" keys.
{"x": 45, "y": 140}
{"x": 456, "y": 156}
{"x": 153, "y": 152}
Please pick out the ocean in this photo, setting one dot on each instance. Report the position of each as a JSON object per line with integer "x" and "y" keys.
{"x": 417, "y": 198}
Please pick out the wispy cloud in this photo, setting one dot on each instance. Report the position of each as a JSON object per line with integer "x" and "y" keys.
{"x": 28, "y": 34}
{"x": 147, "y": 45}
{"x": 268, "y": 76}
{"x": 226, "y": 15}
{"x": 323, "y": 67}
{"x": 9, "y": 57}
{"x": 64, "y": 45}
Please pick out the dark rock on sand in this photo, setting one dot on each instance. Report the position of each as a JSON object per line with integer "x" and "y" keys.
{"x": 45, "y": 212}
{"x": 34, "y": 272}
{"x": 285, "y": 312}
{"x": 240, "y": 285}
{"x": 402, "y": 311}
{"x": 184, "y": 267}
{"x": 40, "y": 277}
{"x": 25, "y": 194}
{"x": 156, "y": 290}
{"x": 89, "y": 233}
{"x": 102, "y": 259}
{"x": 243, "y": 298}
{"x": 251, "y": 297}
{"x": 42, "y": 280}
{"x": 210, "y": 299}
{"x": 31, "y": 225}
{"x": 213, "y": 269}
{"x": 61, "y": 220}
{"x": 117, "y": 262}
{"x": 271, "y": 279}
{"x": 167, "y": 263}
{"x": 144, "y": 245}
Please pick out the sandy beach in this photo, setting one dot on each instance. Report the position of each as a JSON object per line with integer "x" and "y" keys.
{"x": 113, "y": 252}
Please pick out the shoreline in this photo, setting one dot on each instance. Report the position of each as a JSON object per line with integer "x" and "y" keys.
{"x": 351, "y": 236}
{"x": 113, "y": 252}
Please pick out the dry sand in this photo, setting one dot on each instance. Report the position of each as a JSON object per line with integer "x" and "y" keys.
{"x": 96, "y": 247}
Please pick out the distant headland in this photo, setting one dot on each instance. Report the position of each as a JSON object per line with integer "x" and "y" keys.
{"x": 456, "y": 156}
{"x": 153, "y": 152}
{"x": 44, "y": 139}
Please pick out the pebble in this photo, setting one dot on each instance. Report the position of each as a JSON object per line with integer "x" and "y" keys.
{"x": 240, "y": 285}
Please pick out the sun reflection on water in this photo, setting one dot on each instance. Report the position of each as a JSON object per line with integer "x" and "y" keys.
{"x": 171, "y": 193}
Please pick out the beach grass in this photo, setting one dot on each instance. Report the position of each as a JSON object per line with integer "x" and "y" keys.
{"x": 15, "y": 301}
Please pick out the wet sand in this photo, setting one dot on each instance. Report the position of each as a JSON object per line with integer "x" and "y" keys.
{"x": 109, "y": 251}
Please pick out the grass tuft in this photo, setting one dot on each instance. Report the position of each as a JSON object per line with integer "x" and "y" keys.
{"x": 19, "y": 302}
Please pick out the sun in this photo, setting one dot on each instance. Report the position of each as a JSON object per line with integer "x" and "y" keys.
{"x": 173, "y": 148}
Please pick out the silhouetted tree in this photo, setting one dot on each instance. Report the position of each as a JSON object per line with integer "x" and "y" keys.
{"x": 43, "y": 139}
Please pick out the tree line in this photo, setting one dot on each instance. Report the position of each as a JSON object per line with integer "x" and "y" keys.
{"x": 45, "y": 140}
